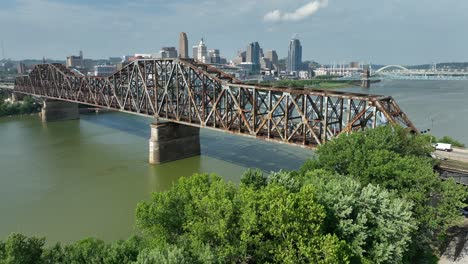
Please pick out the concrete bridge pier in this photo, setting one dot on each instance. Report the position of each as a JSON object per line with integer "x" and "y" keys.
{"x": 56, "y": 110}
{"x": 365, "y": 81}
{"x": 15, "y": 97}
{"x": 171, "y": 141}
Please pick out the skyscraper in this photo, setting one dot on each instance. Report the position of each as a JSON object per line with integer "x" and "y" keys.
{"x": 183, "y": 46}
{"x": 294, "y": 56}
{"x": 200, "y": 52}
{"x": 253, "y": 53}
{"x": 273, "y": 56}
{"x": 253, "y": 56}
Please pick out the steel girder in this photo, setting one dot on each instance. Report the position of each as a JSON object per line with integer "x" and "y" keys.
{"x": 195, "y": 94}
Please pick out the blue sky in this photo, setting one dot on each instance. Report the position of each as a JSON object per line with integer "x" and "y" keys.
{"x": 377, "y": 31}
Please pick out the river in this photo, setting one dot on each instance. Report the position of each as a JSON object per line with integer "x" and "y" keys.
{"x": 441, "y": 106}
{"x": 83, "y": 178}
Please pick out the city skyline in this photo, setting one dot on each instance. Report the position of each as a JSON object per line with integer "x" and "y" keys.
{"x": 391, "y": 32}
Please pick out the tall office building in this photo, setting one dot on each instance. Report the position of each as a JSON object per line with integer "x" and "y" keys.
{"x": 294, "y": 56}
{"x": 253, "y": 53}
{"x": 214, "y": 56}
{"x": 273, "y": 56}
{"x": 200, "y": 52}
{"x": 183, "y": 46}
{"x": 168, "y": 53}
{"x": 76, "y": 61}
{"x": 253, "y": 57}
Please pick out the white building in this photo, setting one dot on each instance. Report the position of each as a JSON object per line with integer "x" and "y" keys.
{"x": 304, "y": 75}
{"x": 144, "y": 56}
{"x": 104, "y": 70}
{"x": 200, "y": 52}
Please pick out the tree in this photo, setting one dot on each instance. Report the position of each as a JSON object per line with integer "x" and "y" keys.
{"x": 376, "y": 224}
{"x": 254, "y": 179}
{"x": 171, "y": 255}
{"x": 449, "y": 140}
{"x": 19, "y": 249}
{"x": 215, "y": 221}
{"x": 279, "y": 226}
{"x": 399, "y": 161}
{"x": 89, "y": 250}
{"x": 198, "y": 211}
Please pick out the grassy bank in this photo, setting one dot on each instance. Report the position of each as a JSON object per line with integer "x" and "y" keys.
{"x": 317, "y": 83}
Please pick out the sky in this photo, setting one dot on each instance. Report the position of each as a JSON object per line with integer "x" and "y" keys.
{"x": 376, "y": 31}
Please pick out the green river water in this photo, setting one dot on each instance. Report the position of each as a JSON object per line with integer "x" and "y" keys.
{"x": 75, "y": 179}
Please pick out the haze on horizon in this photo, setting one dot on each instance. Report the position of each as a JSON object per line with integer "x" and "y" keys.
{"x": 377, "y": 31}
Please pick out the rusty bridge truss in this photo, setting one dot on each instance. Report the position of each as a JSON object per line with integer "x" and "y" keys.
{"x": 196, "y": 94}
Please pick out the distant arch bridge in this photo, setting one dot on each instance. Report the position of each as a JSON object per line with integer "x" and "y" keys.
{"x": 390, "y": 67}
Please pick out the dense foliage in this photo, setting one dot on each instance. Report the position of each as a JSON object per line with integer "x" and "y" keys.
{"x": 27, "y": 106}
{"x": 216, "y": 222}
{"x": 398, "y": 161}
{"x": 18, "y": 249}
{"x": 369, "y": 197}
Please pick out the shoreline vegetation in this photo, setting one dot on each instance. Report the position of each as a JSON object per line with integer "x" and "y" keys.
{"x": 27, "y": 106}
{"x": 367, "y": 197}
{"x": 322, "y": 82}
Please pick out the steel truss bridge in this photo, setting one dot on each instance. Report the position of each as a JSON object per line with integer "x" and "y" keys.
{"x": 401, "y": 73}
{"x": 195, "y": 94}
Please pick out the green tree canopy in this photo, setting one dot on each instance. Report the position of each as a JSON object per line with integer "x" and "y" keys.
{"x": 399, "y": 161}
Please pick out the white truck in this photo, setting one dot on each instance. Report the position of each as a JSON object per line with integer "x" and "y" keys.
{"x": 443, "y": 146}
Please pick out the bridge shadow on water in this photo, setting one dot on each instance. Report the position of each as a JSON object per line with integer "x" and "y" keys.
{"x": 239, "y": 150}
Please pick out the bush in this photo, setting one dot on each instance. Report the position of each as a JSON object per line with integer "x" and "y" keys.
{"x": 452, "y": 141}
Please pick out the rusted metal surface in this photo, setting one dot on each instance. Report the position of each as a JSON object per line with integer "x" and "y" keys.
{"x": 192, "y": 93}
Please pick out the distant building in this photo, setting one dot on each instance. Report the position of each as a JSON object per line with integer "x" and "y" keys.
{"x": 253, "y": 56}
{"x": 126, "y": 58}
{"x": 273, "y": 56}
{"x": 168, "y": 53}
{"x": 115, "y": 60}
{"x": 21, "y": 68}
{"x": 223, "y": 61}
{"x": 265, "y": 63}
{"x": 354, "y": 64}
{"x": 200, "y": 52}
{"x": 253, "y": 53}
{"x": 142, "y": 56}
{"x": 214, "y": 56}
{"x": 240, "y": 58}
{"x": 250, "y": 68}
{"x": 75, "y": 61}
{"x": 104, "y": 70}
{"x": 183, "y": 46}
{"x": 304, "y": 75}
{"x": 294, "y": 62}
{"x": 88, "y": 64}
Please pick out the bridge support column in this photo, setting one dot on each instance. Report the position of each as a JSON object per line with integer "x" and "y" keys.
{"x": 365, "y": 82}
{"x": 55, "y": 110}
{"x": 171, "y": 141}
{"x": 14, "y": 98}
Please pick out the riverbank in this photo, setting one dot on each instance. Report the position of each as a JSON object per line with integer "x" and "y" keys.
{"x": 25, "y": 107}
{"x": 318, "y": 83}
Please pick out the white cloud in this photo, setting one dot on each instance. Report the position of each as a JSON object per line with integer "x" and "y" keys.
{"x": 301, "y": 13}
